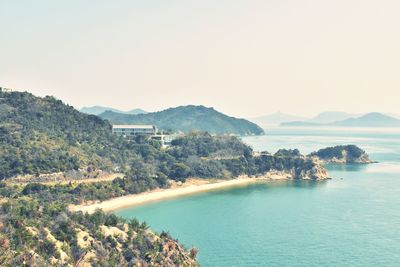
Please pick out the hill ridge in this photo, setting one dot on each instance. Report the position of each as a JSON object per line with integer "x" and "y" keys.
{"x": 187, "y": 118}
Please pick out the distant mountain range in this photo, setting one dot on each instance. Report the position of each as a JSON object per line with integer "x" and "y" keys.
{"x": 331, "y": 117}
{"x": 188, "y": 118}
{"x": 373, "y": 119}
{"x": 277, "y": 118}
{"x": 323, "y": 118}
{"x": 97, "y": 110}
{"x": 394, "y": 115}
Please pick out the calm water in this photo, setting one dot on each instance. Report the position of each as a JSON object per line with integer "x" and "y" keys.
{"x": 353, "y": 219}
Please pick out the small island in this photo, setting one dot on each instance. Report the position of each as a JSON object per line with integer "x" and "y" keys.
{"x": 343, "y": 154}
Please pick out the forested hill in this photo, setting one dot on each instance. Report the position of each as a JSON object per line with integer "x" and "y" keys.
{"x": 43, "y": 135}
{"x": 188, "y": 118}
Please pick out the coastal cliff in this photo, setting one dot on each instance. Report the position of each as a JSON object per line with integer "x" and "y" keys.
{"x": 345, "y": 154}
{"x": 292, "y": 164}
{"x": 317, "y": 172}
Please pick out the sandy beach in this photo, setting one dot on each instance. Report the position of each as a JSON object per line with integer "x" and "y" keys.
{"x": 191, "y": 187}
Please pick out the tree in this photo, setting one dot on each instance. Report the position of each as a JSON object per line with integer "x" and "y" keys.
{"x": 179, "y": 172}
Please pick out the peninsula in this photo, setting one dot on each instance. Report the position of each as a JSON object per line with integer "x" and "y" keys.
{"x": 55, "y": 157}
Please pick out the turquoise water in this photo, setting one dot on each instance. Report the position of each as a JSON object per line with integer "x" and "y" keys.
{"x": 353, "y": 219}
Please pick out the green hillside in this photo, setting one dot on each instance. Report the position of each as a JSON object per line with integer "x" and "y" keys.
{"x": 43, "y": 135}
{"x": 188, "y": 118}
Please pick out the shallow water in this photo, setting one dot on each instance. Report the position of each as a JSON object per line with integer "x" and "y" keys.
{"x": 353, "y": 219}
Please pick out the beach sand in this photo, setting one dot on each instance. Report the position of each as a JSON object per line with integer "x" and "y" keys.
{"x": 192, "y": 186}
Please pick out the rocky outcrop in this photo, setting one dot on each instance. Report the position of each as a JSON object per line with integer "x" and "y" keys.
{"x": 316, "y": 172}
{"x": 292, "y": 165}
{"x": 348, "y": 154}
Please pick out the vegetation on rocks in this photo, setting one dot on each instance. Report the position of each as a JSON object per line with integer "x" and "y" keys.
{"x": 35, "y": 235}
{"x": 342, "y": 154}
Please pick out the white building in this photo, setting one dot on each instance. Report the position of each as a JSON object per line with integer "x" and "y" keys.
{"x": 148, "y": 130}
{"x": 165, "y": 139}
{"x": 5, "y": 90}
{"x": 132, "y": 130}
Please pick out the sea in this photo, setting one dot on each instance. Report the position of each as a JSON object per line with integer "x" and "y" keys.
{"x": 352, "y": 219}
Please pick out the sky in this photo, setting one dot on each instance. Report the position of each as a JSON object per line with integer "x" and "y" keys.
{"x": 245, "y": 58}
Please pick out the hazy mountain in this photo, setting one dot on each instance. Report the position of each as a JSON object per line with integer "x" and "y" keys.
{"x": 327, "y": 117}
{"x": 373, "y": 119}
{"x": 394, "y": 115}
{"x": 96, "y": 110}
{"x": 331, "y": 117}
{"x": 188, "y": 118}
{"x": 277, "y": 118}
{"x": 300, "y": 123}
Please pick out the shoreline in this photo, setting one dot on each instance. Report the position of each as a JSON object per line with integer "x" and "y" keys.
{"x": 168, "y": 193}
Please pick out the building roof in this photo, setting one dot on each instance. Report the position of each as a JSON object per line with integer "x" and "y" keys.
{"x": 132, "y": 126}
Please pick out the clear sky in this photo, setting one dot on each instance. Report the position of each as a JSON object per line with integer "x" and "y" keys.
{"x": 245, "y": 58}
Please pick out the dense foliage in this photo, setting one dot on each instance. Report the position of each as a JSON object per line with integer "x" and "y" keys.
{"x": 194, "y": 155}
{"x": 285, "y": 153}
{"x": 32, "y": 234}
{"x": 43, "y": 135}
{"x": 348, "y": 152}
{"x": 188, "y": 118}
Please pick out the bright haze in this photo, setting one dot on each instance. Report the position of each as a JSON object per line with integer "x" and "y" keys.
{"x": 245, "y": 58}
